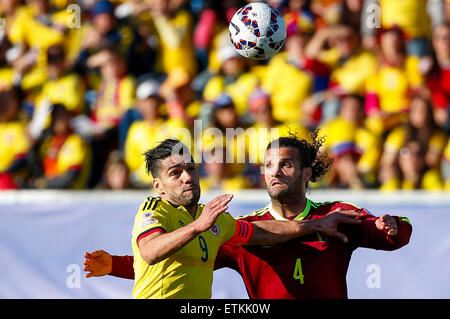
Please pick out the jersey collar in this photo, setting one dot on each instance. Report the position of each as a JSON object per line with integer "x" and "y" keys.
{"x": 182, "y": 208}
{"x": 300, "y": 216}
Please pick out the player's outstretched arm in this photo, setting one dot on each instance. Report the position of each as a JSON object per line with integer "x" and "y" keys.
{"x": 386, "y": 232}
{"x": 158, "y": 246}
{"x": 271, "y": 232}
{"x": 100, "y": 263}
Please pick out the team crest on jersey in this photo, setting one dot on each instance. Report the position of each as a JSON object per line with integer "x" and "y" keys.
{"x": 215, "y": 230}
{"x": 147, "y": 216}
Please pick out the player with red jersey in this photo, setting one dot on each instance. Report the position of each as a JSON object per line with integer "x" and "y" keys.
{"x": 312, "y": 266}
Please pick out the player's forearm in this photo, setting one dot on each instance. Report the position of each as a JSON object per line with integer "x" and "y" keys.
{"x": 162, "y": 246}
{"x": 403, "y": 233}
{"x": 372, "y": 237}
{"x": 122, "y": 267}
{"x": 271, "y": 232}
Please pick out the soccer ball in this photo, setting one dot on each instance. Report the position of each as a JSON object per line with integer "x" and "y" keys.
{"x": 257, "y": 31}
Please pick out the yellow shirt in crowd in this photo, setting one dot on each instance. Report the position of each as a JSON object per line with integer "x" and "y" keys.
{"x": 288, "y": 87}
{"x": 410, "y": 15}
{"x": 67, "y": 90}
{"x": 114, "y": 97}
{"x": 14, "y": 142}
{"x": 342, "y": 136}
{"x": 395, "y": 140}
{"x": 393, "y": 85}
{"x": 175, "y": 38}
{"x": 239, "y": 91}
{"x": 352, "y": 74}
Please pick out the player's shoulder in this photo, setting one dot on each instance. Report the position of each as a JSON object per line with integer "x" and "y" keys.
{"x": 153, "y": 204}
{"x": 255, "y": 215}
{"x": 329, "y": 206}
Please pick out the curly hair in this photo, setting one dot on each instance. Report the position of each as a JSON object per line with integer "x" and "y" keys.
{"x": 309, "y": 154}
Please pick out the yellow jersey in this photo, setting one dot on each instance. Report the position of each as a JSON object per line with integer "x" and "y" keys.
{"x": 344, "y": 137}
{"x": 239, "y": 91}
{"x": 396, "y": 139}
{"x": 352, "y": 74}
{"x": 410, "y": 15}
{"x": 73, "y": 153}
{"x": 188, "y": 273}
{"x": 27, "y": 30}
{"x": 446, "y": 161}
{"x": 67, "y": 90}
{"x": 14, "y": 143}
{"x": 6, "y": 78}
{"x": 288, "y": 87}
{"x": 431, "y": 181}
{"x": 114, "y": 97}
{"x": 176, "y": 50}
{"x": 393, "y": 85}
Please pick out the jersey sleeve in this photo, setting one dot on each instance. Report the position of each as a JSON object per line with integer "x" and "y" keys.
{"x": 238, "y": 232}
{"x": 149, "y": 220}
{"x": 122, "y": 267}
{"x": 367, "y": 235}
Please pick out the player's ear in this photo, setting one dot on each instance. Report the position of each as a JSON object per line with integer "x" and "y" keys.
{"x": 307, "y": 173}
{"x": 157, "y": 185}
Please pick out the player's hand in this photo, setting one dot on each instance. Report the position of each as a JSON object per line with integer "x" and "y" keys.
{"x": 388, "y": 224}
{"x": 211, "y": 211}
{"x": 97, "y": 263}
{"x": 328, "y": 224}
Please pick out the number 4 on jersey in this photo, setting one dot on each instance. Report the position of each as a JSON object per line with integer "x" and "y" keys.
{"x": 298, "y": 272}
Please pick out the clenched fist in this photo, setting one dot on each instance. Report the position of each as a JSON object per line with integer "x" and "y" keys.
{"x": 388, "y": 224}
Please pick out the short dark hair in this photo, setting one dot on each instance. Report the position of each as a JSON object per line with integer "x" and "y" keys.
{"x": 308, "y": 152}
{"x": 165, "y": 149}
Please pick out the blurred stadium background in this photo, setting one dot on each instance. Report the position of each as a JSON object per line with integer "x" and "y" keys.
{"x": 87, "y": 86}
{"x": 43, "y": 236}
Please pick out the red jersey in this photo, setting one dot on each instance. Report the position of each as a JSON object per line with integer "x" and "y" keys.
{"x": 439, "y": 85}
{"x": 308, "y": 267}
{"x": 313, "y": 266}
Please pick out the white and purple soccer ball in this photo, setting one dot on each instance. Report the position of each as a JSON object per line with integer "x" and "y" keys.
{"x": 257, "y": 31}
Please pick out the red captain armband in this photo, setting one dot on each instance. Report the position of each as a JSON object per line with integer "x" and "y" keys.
{"x": 244, "y": 231}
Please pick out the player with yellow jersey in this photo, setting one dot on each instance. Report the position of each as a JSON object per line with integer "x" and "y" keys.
{"x": 167, "y": 279}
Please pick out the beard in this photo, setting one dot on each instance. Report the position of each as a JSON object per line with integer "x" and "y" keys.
{"x": 189, "y": 199}
{"x": 286, "y": 193}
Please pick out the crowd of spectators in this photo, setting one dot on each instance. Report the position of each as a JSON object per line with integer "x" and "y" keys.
{"x": 87, "y": 86}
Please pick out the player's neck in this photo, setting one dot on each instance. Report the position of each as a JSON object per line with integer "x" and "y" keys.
{"x": 192, "y": 210}
{"x": 290, "y": 207}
